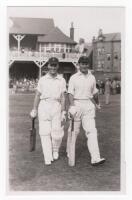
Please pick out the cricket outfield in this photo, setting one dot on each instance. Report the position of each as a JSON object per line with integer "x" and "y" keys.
{"x": 27, "y": 171}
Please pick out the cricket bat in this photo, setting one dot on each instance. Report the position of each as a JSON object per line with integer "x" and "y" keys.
{"x": 33, "y": 136}
{"x": 71, "y": 145}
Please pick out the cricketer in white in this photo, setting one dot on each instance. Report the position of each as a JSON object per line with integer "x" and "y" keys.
{"x": 83, "y": 97}
{"x": 49, "y": 103}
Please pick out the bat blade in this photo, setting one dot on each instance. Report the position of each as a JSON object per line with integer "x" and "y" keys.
{"x": 32, "y": 137}
{"x": 68, "y": 141}
{"x": 71, "y": 146}
{"x": 71, "y": 158}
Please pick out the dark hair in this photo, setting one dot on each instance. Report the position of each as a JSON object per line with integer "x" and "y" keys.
{"x": 84, "y": 59}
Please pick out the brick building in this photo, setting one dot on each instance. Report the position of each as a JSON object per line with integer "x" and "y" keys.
{"x": 107, "y": 54}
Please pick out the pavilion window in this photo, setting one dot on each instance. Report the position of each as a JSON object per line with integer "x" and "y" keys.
{"x": 99, "y": 64}
{"x": 57, "y": 50}
{"x": 52, "y": 50}
{"x": 62, "y": 50}
{"x": 62, "y": 45}
{"x": 99, "y": 51}
{"x": 47, "y": 49}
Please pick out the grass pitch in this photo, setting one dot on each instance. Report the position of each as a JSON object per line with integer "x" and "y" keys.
{"x": 27, "y": 171}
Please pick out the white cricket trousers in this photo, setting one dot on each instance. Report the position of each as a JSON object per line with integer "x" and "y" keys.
{"x": 50, "y": 130}
{"x": 86, "y": 116}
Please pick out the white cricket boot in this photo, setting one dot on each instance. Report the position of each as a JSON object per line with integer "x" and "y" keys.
{"x": 47, "y": 162}
{"x": 55, "y": 155}
{"x": 98, "y": 162}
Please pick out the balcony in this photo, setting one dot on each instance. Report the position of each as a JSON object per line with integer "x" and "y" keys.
{"x": 34, "y": 55}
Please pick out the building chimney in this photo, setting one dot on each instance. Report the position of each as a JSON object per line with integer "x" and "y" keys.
{"x": 72, "y": 31}
{"x": 93, "y": 40}
{"x": 100, "y": 33}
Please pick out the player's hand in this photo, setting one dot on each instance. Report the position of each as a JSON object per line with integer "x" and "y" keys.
{"x": 72, "y": 111}
{"x": 98, "y": 106}
{"x": 33, "y": 113}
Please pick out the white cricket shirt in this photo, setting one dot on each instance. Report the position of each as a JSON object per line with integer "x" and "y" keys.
{"x": 82, "y": 86}
{"x": 50, "y": 87}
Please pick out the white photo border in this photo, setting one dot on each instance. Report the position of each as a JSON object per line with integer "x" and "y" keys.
{"x": 126, "y": 97}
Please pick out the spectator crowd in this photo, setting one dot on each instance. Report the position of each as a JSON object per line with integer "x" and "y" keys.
{"x": 23, "y": 85}
{"x": 30, "y": 84}
{"x": 114, "y": 89}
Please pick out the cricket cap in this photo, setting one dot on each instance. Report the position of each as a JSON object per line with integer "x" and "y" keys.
{"x": 53, "y": 60}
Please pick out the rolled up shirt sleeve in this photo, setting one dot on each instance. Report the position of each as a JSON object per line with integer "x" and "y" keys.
{"x": 71, "y": 88}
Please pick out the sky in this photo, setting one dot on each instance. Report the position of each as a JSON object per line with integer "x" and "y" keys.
{"x": 87, "y": 20}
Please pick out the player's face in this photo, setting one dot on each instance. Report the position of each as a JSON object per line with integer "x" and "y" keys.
{"x": 84, "y": 67}
{"x": 53, "y": 68}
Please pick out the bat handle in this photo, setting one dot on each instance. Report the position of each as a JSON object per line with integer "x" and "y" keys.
{"x": 72, "y": 125}
{"x": 33, "y": 122}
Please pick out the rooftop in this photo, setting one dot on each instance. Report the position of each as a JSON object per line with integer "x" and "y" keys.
{"x": 39, "y": 26}
{"x": 110, "y": 37}
{"x": 56, "y": 36}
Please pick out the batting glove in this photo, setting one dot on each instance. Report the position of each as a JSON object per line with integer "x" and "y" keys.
{"x": 98, "y": 106}
{"x": 72, "y": 111}
{"x": 33, "y": 113}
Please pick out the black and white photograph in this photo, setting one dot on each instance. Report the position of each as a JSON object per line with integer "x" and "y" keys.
{"x": 65, "y": 81}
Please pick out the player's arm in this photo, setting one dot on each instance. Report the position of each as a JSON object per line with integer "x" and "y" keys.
{"x": 95, "y": 98}
{"x": 36, "y": 100}
{"x": 37, "y": 94}
{"x": 63, "y": 106}
{"x": 71, "y": 91}
{"x": 34, "y": 111}
{"x": 63, "y": 96}
{"x": 63, "y": 100}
